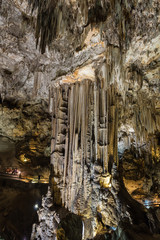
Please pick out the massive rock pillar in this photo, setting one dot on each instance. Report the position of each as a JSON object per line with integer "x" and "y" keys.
{"x": 86, "y": 176}
{"x": 84, "y": 144}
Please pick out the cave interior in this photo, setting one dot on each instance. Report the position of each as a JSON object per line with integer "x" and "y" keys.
{"x": 79, "y": 119}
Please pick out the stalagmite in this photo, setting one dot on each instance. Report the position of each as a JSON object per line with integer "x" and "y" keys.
{"x": 98, "y": 76}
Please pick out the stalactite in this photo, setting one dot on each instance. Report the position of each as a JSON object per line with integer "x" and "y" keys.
{"x": 56, "y": 17}
{"x": 89, "y": 139}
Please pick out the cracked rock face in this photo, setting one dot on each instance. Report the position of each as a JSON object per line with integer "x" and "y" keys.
{"x": 53, "y": 218}
{"x": 24, "y": 117}
{"x": 97, "y": 87}
{"x": 27, "y": 127}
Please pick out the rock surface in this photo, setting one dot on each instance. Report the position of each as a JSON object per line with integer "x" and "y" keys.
{"x": 98, "y": 77}
{"x": 17, "y": 210}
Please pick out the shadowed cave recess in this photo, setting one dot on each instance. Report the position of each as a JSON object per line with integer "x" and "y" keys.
{"x": 80, "y": 119}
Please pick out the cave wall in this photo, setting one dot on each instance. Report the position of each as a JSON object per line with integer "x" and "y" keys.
{"x": 98, "y": 78}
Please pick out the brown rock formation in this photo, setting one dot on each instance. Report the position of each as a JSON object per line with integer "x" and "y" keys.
{"x": 99, "y": 78}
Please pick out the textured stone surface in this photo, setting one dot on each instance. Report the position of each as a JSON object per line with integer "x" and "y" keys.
{"x": 17, "y": 212}
{"x": 99, "y": 78}
{"x": 48, "y": 219}
{"x": 28, "y": 127}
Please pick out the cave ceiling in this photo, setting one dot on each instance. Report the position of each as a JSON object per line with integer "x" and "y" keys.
{"x": 81, "y": 80}
{"x": 79, "y": 45}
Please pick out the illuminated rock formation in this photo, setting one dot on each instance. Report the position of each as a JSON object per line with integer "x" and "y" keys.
{"x": 99, "y": 78}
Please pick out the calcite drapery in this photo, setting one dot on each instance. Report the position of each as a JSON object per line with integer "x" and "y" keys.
{"x": 84, "y": 145}
{"x": 84, "y": 137}
{"x": 129, "y": 28}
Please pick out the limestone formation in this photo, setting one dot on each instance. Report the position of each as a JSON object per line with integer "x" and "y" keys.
{"x": 86, "y": 75}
